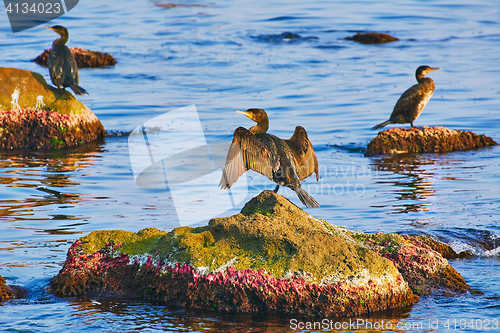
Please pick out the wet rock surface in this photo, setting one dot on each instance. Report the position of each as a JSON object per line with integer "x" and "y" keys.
{"x": 425, "y": 269}
{"x": 425, "y": 139}
{"x": 271, "y": 257}
{"x": 372, "y": 38}
{"x": 84, "y": 58}
{"x": 35, "y": 115}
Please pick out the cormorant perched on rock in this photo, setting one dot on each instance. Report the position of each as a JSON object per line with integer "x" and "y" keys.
{"x": 285, "y": 162}
{"x": 412, "y": 102}
{"x": 62, "y": 65}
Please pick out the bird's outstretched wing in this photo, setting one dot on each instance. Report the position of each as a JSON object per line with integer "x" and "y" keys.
{"x": 304, "y": 154}
{"x": 247, "y": 153}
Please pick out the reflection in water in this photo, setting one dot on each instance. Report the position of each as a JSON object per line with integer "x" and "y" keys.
{"x": 127, "y": 314}
{"x": 413, "y": 183}
{"x": 47, "y": 172}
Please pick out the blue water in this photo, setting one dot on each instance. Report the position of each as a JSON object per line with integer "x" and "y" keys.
{"x": 217, "y": 56}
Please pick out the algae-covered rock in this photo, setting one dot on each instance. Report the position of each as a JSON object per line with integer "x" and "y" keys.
{"x": 372, "y": 38}
{"x": 22, "y": 89}
{"x": 84, "y": 58}
{"x": 425, "y": 269}
{"x": 436, "y": 139}
{"x": 6, "y": 292}
{"x": 272, "y": 256}
{"x": 36, "y": 115}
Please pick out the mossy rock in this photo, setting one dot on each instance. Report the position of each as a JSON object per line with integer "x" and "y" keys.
{"x": 34, "y": 93}
{"x": 35, "y": 115}
{"x": 270, "y": 233}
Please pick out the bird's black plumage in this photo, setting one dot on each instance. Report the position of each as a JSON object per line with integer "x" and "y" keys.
{"x": 412, "y": 102}
{"x": 62, "y": 65}
{"x": 285, "y": 162}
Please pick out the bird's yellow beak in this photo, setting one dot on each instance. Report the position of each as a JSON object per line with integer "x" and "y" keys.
{"x": 246, "y": 113}
{"x": 48, "y": 27}
{"x": 433, "y": 69}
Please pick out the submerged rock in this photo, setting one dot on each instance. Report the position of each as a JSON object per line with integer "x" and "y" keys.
{"x": 436, "y": 139}
{"x": 272, "y": 256}
{"x": 36, "y": 115}
{"x": 372, "y": 38}
{"x": 84, "y": 58}
{"x": 284, "y": 37}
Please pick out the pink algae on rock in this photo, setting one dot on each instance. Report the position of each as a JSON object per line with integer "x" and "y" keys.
{"x": 436, "y": 139}
{"x": 258, "y": 261}
{"x": 425, "y": 269}
{"x": 38, "y": 129}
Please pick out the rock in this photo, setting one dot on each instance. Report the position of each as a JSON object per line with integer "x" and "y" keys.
{"x": 272, "y": 256}
{"x": 84, "y": 58}
{"x": 36, "y": 115}
{"x": 425, "y": 269}
{"x": 436, "y": 139}
{"x": 175, "y": 5}
{"x": 443, "y": 249}
{"x": 284, "y": 37}
{"x": 6, "y": 292}
{"x": 372, "y": 38}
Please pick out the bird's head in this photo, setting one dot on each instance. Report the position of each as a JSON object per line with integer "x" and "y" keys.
{"x": 62, "y": 31}
{"x": 423, "y": 70}
{"x": 257, "y": 115}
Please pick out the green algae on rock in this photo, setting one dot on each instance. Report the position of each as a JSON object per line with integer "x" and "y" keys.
{"x": 436, "y": 139}
{"x": 36, "y": 115}
{"x": 272, "y": 256}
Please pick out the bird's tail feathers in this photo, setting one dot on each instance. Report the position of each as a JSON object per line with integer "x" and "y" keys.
{"x": 385, "y": 123}
{"x": 78, "y": 90}
{"x": 306, "y": 198}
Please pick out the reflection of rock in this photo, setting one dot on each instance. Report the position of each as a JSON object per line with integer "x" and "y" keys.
{"x": 41, "y": 116}
{"x": 425, "y": 269}
{"x": 84, "y": 58}
{"x": 414, "y": 189}
{"x": 284, "y": 37}
{"x": 436, "y": 139}
{"x": 6, "y": 292}
{"x": 272, "y": 256}
{"x": 372, "y": 38}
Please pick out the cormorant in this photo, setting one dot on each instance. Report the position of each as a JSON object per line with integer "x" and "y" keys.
{"x": 285, "y": 162}
{"x": 62, "y": 65}
{"x": 412, "y": 102}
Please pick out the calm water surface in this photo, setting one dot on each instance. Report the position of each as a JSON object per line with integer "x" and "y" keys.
{"x": 218, "y": 55}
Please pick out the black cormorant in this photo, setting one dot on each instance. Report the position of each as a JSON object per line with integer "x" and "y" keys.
{"x": 412, "y": 102}
{"x": 62, "y": 65}
{"x": 285, "y": 162}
